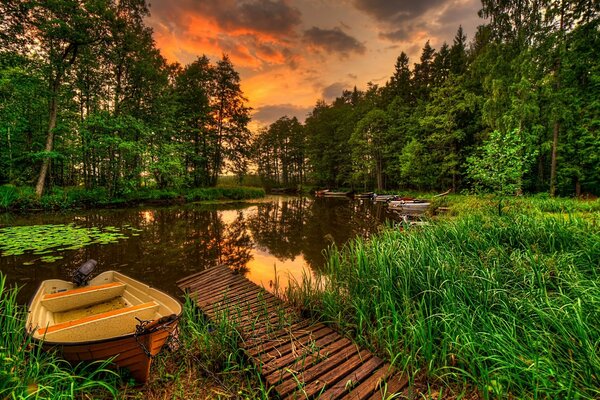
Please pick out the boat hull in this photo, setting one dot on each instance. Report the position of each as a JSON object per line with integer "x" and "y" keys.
{"x": 409, "y": 207}
{"x": 128, "y": 352}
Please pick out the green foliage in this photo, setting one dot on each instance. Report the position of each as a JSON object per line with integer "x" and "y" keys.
{"x": 508, "y": 304}
{"x": 28, "y": 372}
{"x": 501, "y": 165}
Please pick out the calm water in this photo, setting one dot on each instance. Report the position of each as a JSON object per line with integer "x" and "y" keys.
{"x": 286, "y": 234}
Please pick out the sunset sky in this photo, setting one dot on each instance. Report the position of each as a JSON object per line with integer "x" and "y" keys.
{"x": 290, "y": 53}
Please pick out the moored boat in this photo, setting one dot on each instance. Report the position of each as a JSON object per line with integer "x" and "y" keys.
{"x": 367, "y": 195}
{"x": 382, "y": 198}
{"x": 409, "y": 206}
{"x": 112, "y": 316}
{"x": 330, "y": 193}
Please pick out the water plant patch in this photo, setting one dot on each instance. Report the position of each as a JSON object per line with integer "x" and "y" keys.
{"x": 43, "y": 240}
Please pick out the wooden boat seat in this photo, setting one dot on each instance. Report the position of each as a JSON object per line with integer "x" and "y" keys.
{"x": 81, "y": 297}
{"x": 100, "y": 326}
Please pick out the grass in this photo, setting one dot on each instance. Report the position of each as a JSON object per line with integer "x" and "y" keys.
{"x": 28, "y": 372}
{"x": 506, "y": 304}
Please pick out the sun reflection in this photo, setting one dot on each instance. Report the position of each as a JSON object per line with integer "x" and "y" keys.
{"x": 147, "y": 216}
{"x": 265, "y": 271}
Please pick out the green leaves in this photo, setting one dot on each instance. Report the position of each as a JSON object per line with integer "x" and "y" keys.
{"x": 500, "y": 165}
{"x": 43, "y": 240}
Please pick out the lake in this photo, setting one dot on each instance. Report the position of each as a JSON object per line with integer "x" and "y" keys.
{"x": 285, "y": 234}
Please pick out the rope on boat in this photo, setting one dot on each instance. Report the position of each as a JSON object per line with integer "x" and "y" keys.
{"x": 148, "y": 326}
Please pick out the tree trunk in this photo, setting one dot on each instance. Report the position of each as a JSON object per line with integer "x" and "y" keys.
{"x": 577, "y": 186}
{"x": 379, "y": 175}
{"x": 553, "y": 162}
{"x": 10, "y": 156}
{"x": 39, "y": 188}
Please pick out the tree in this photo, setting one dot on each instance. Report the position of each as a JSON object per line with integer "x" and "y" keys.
{"x": 423, "y": 73}
{"x": 400, "y": 84}
{"x": 230, "y": 118}
{"x": 368, "y": 142}
{"x": 60, "y": 29}
{"x": 500, "y": 164}
{"x": 193, "y": 91}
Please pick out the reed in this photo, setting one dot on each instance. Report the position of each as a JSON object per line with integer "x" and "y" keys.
{"x": 28, "y": 372}
{"x": 508, "y": 304}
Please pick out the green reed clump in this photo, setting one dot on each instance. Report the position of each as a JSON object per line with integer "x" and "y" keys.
{"x": 510, "y": 304}
{"x": 28, "y": 372}
{"x": 214, "y": 348}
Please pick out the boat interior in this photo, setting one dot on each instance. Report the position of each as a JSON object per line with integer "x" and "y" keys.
{"x": 109, "y": 306}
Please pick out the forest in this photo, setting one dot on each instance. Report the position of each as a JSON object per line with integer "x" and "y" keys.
{"x": 516, "y": 109}
{"x": 87, "y": 100}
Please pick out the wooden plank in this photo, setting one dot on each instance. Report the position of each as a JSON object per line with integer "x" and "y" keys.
{"x": 202, "y": 291}
{"x": 369, "y": 386}
{"x": 295, "y": 362}
{"x": 252, "y": 310}
{"x": 305, "y": 363}
{"x": 204, "y": 276}
{"x": 392, "y": 385}
{"x": 208, "y": 280}
{"x": 235, "y": 299}
{"x": 291, "y": 346}
{"x": 292, "y": 333}
{"x": 353, "y": 379}
{"x": 251, "y": 342}
{"x": 329, "y": 378}
{"x": 206, "y": 293}
{"x": 314, "y": 372}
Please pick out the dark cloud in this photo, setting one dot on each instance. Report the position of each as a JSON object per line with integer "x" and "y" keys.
{"x": 267, "y": 16}
{"x": 399, "y": 20}
{"x": 398, "y": 11}
{"x": 334, "y": 90}
{"x": 333, "y": 40}
{"x": 271, "y": 113}
{"x": 397, "y": 35}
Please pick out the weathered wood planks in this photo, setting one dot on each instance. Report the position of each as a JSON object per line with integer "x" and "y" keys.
{"x": 298, "y": 358}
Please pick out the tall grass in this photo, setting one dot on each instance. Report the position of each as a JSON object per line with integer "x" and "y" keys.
{"x": 510, "y": 304}
{"x": 28, "y": 372}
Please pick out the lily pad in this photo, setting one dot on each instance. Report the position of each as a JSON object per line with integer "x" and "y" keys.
{"x": 47, "y": 239}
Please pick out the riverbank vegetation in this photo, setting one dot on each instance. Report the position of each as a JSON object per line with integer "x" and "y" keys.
{"x": 24, "y": 198}
{"x": 506, "y": 304}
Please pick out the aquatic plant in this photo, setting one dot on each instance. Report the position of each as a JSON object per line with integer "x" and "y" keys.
{"x": 509, "y": 304}
{"x": 45, "y": 239}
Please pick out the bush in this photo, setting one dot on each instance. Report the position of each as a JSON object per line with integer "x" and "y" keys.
{"x": 8, "y": 194}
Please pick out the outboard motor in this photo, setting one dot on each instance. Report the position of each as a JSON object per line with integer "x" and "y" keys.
{"x": 84, "y": 273}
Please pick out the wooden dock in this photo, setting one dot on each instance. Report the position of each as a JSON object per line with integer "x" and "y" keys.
{"x": 298, "y": 358}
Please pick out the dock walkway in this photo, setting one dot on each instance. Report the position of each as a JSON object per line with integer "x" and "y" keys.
{"x": 297, "y": 357}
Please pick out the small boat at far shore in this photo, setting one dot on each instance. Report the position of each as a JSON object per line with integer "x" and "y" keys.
{"x": 383, "y": 198}
{"x": 413, "y": 206}
{"x": 330, "y": 193}
{"x": 366, "y": 195}
{"x": 112, "y": 316}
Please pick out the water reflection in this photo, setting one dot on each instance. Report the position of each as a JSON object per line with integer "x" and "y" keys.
{"x": 288, "y": 234}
